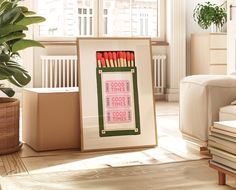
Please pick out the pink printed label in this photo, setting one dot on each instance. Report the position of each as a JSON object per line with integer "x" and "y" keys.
{"x": 117, "y": 86}
{"x": 113, "y": 101}
{"x": 119, "y": 116}
{"x": 118, "y": 101}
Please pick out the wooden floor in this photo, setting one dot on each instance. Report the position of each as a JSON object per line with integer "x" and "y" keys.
{"x": 174, "y": 164}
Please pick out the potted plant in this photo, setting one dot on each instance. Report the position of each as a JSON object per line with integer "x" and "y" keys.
{"x": 209, "y": 14}
{"x": 14, "y": 21}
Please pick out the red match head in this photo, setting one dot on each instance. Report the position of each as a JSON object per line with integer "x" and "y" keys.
{"x": 114, "y": 56}
{"x": 105, "y": 54}
{"x": 118, "y": 55}
{"x": 99, "y": 56}
{"x": 124, "y": 55}
{"x": 132, "y": 56}
{"x": 121, "y": 55}
{"x": 110, "y": 55}
{"x": 128, "y": 55}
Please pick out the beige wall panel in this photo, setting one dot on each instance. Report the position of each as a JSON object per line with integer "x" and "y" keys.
{"x": 218, "y": 56}
{"x": 199, "y": 54}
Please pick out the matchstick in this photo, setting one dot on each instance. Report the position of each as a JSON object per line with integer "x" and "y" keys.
{"x": 124, "y": 59}
{"x": 103, "y": 62}
{"x": 132, "y": 59}
{"x": 105, "y": 55}
{"x": 128, "y": 59}
{"x": 110, "y": 59}
{"x": 115, "y": 59}
{"x": 99, "y": 57}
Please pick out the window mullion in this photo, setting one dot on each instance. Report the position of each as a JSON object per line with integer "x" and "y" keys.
{"x": 100, "y": 18}
{"x": 95, "y": 18}
{"x": 131, "y": 23}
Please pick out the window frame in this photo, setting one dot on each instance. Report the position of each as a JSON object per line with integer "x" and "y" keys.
{"x": 98, "y": 21}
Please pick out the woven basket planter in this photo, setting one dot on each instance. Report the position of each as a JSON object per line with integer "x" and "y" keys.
{"x": 9, "y": 125}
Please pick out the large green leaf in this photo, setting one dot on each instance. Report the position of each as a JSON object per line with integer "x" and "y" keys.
{"x": 14, "y": 81}
{"x": 20, "y": 17}
{"x": 8, "y": 91}
{"x": 15, "y": 66}
{"x": 23, "y": 44}
{"x": 22, "y": 78}
{"x": 26, "y": 11}
{"x": 1, "y": 1}
{"x": 11, "y": 37}
{"x": 13, "y": 69}
{"x": 17, "y": 16}
{"x": 4, "y": 73}
{"x": 23, "y": 9}
{"x": 5, "y": 6}
{"x": 4, "y": 57}
{"x": 3, "y": 77}
{"x": 7, "y": 29}
{"x": 31, "y": 20}
{"x": 17, "y": 74}
{"x": 9, "y": 16}
{"x": 29, "y": 13}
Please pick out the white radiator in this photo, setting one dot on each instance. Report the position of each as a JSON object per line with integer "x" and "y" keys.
{"x": 159, "y": 62}
{"x": 59, "y": 71}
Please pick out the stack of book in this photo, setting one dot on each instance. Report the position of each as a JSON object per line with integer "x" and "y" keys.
{"x": 222, "y": 145}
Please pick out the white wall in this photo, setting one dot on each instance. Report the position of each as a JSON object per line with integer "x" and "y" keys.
{"x": 192, "y": 26}
{"x": 231, "y": 38}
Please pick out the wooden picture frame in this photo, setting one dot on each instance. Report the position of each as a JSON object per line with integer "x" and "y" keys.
{"x": 116, "y": 93}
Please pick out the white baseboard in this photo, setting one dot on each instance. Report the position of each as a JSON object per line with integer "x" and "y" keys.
{"x": 172, "y": 94}
{"x": 160, "y": 97}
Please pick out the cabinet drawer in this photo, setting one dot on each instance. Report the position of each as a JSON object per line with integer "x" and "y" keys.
{"x": 218, "y": 57}
{"x": 218, "y": 69}
{"x": 218, "y": 41}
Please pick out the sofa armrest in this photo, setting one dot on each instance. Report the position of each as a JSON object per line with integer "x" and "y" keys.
{"x": 201, "y": 97}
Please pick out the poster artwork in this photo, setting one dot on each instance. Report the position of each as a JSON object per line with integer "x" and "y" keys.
{"x": 117, "y": 94}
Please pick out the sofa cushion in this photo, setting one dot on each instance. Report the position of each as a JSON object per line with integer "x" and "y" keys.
{"x": 227, "y": 113}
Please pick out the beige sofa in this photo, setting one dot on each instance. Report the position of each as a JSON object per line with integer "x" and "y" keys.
{"x": 201, "y": 97}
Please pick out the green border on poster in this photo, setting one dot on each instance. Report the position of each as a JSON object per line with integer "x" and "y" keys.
{"x": 137, "y": 129}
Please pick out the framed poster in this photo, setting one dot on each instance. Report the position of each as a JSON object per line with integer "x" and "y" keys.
{"x": 116, "y": 93}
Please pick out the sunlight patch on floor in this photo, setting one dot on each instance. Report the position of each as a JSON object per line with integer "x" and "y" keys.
{"x": 181, "y": 147}
{"x": 135, "y": 158}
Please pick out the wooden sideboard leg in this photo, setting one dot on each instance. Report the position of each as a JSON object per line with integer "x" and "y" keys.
{"x": 221, "y": 178}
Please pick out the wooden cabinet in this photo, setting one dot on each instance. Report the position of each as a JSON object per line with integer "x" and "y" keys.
{"x": 208, "y": 53}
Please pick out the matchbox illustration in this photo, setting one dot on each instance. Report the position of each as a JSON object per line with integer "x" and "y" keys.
{"x": 117, "y": 93}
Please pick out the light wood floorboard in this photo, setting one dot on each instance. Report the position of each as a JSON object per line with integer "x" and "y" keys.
{"x": 194, "y": 175}
{"x": 13, "y": 164}
{"x": 139, "y": 169}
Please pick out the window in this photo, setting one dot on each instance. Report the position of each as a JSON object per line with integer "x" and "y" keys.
{"x": 107, "y": 18}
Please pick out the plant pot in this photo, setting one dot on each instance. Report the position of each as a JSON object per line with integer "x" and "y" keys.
{"x": 9, "y": 125}
{"x": 215, "y": 28}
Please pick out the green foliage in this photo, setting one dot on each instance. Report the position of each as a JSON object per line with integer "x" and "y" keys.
{"x": 14, "y": 21}
{"x": 207, "y": 14}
